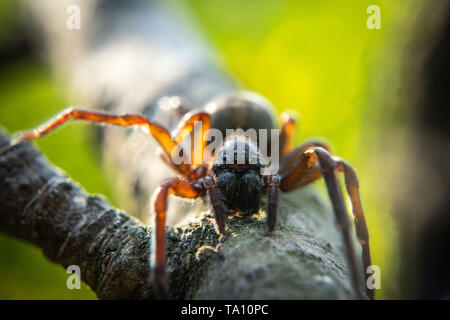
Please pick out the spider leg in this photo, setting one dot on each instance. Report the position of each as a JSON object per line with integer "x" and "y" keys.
{"x": 328, "y": 167}
{"x": 179, "y": 188}
{"x": 286, "y": 134}
{"x": 352, "y": 185}
{"x": 313, "y": 163}
{"x": 186, "y": 126}
{"x": 272, "y": 202}
{"x": 161, "y": 135}
{"x": 219, "y": 212}
{"x": 296, "y": 168}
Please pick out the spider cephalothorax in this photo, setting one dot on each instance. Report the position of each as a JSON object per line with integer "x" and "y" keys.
{"x": 234, "y": 179}
{"x": 239, "y": 183}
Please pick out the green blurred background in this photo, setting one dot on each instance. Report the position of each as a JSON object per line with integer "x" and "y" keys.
{"x": 315, "y": 57}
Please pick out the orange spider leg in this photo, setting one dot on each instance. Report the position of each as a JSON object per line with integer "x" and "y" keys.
{"x": 179, "y": 188}
{"x": 187, "y": 126}
{"x": 286, "y": 134}
{"x": 157, "y": 131}
{"x": 296, "y": 171}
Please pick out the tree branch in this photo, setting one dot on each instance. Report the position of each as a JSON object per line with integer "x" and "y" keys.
{"x": 301, "y": 260}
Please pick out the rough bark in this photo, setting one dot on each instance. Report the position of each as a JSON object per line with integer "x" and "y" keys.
{"x": 303, "y": 259}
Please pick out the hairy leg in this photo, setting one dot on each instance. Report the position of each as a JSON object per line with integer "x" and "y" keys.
{"x": 161, "y": 135}
{"x": 352, "y": 185}
{"x": 313, "y": 162}
{"x": 297, "y": 169}
{"x": 219, "y": 212}
{"x": 286, "y": 134}
{"x": 180, "y": 188}
{"x": 328, "y": 167}
{"x": 272, "y": 202}
{"x": 186, "y": 127}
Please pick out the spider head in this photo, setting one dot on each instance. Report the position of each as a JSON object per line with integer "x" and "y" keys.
{"x": 237, "y": 168}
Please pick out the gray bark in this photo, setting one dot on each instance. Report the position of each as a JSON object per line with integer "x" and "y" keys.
{"x": 303, "y": 259}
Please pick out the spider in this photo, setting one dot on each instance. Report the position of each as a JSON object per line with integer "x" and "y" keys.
{"x": 237, "y": 187}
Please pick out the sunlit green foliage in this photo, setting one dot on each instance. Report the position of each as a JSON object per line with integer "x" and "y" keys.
{"x": 27, "y": 97}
